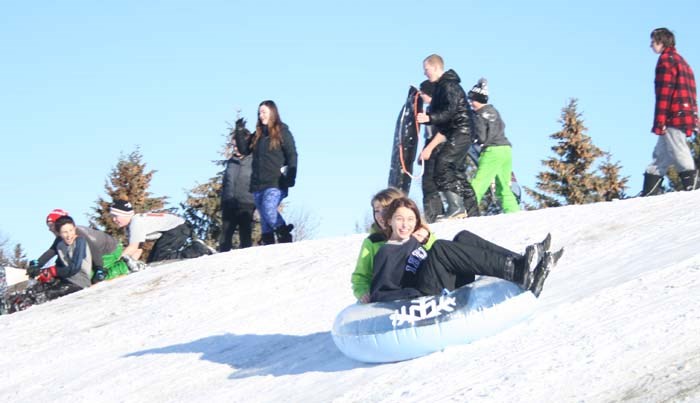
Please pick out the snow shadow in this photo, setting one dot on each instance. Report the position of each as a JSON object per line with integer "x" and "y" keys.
{"x": 267, "y": 354}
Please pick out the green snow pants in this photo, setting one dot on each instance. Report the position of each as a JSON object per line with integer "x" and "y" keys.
{"x": 496, "y": 163}
{"x": 113, "y": 265}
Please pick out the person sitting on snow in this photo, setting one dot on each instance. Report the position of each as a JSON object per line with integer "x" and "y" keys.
{"x": 52, "y": 251}
{"x": 75, "y": 272}
{"x": 405, "y": 268}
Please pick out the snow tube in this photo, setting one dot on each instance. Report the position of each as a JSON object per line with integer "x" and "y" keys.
{"x": 405, "y": 329}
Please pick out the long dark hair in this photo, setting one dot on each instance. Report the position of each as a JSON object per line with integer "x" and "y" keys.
{"x": 274, "y": 126}
{"x": 391, "y": 209}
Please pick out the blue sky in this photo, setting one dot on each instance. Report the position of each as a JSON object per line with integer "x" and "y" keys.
{"x": 83, "y": 82}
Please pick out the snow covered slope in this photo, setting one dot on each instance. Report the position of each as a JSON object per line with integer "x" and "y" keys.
{"x": 619, "y": 320}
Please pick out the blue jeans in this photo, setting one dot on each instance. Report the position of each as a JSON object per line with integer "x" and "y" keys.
{"x": 267, "y": 202}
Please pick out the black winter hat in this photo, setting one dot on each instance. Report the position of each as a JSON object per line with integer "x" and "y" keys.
{"x": 427, "y": 88}
{"x": 121, "y": 208}
{"x": 480, "y": 92}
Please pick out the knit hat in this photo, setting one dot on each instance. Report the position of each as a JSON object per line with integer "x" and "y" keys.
{"x": 121, "y": 208}
{"x": 427, "y": 88}
{"x": 55, "y": 214}
{"x": 480, "y": 92}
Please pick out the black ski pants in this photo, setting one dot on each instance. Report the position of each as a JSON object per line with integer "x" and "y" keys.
{"x": 450, "y": 164}
{"x": 240, "y": 218}
{"x": 170, "y": 243}
{"x": 467, "y": 255}
{"x": 432, "y": 202}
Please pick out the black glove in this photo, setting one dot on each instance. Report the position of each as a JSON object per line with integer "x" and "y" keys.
{"x": 291, "y": 176}
{"x": 33, "y": 270}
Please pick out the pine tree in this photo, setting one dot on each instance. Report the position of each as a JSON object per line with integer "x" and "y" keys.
{"x": 611, "y": 186}
{"x": 4, "y": 260}
{"x": 570, "y": 179}
{"x": 19, "y": 258}
{"x": 202, "y": 210}
{"x": 129, "y": 180}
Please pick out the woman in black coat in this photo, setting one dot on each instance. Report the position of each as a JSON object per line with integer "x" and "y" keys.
{"x": 274, "y": 170}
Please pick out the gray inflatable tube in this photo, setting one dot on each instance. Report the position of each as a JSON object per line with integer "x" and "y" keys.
{"x": 405, "y": 329}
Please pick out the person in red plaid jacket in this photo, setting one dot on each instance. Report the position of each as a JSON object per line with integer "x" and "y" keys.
{"x": 675, "y": 116}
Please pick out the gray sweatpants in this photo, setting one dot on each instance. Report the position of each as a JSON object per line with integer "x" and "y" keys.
{"x": 671, "y": 150}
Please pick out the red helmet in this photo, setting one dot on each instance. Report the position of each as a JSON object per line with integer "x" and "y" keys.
{"x": 55, "y": 214}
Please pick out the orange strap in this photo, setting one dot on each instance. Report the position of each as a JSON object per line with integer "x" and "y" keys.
{"x": 415, "y": 117}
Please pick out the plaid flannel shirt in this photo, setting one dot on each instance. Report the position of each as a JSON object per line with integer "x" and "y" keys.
{"x": 676, "y": 97}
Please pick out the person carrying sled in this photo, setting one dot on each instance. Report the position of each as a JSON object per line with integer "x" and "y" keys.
{"x": 450, "y": 117}
{"x": 432, "y": 200}
{"x": 675, "y": 116}
{"x": 237, "y": 203}
{"x": 172, "y": 235}
{"x": 404, "y": 268}
{"x": 274, "y": 170}
{"x": 496, "y": 157}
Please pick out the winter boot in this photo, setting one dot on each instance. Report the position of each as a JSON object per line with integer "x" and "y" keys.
{"x": 652, "y": 185}
{"x": 689, "y": 179}
{"x": 470, "y": 203}
{"x": 455, "y": 205}
{"x": 284, "y": 233}
{"x": 267, "y": 238}
{"x": 542, "y": 247}
{"x": 542, "y": 270}
{"x": 433, "y": 207}
{"x": 517, "y": 268}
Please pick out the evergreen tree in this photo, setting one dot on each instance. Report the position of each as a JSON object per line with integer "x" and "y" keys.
{"x": 611, "y": 186}
{"x": 19, "y": 258}
{"x": 129, "y": 180}
{"x": 202, "y": 210}
{"x": 4, "y": 259}
{"x": 570, "y": 179}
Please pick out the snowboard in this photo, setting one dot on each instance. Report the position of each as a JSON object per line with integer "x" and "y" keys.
{"x": 493, "y": 206}
{"x": 405, "y": 146}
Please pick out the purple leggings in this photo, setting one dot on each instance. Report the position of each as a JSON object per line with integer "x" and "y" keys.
{"x": 267, "y": 201}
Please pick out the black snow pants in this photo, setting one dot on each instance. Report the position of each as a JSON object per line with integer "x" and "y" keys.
{"x": 450, "y": 170}
{"x": 465, "y": 256}
{"x": 170, "y": 244}
{"x": 432, "y": 202}
{"x": 240, "y": 218}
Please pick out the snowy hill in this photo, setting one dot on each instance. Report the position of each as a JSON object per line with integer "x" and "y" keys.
{"x": 619, "y": 320}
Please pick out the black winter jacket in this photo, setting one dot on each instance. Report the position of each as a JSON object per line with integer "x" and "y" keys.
{"x": 235, "y": 190}
{"x": 267, "y": 163}
{"x": 449, "y": 112}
